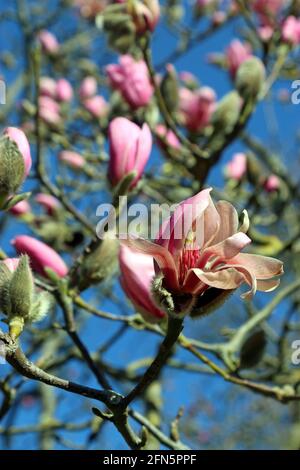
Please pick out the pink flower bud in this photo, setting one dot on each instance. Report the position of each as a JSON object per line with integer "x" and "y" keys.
{"x": 96, "y": 106}
{"x": 218, "y": 17}
{"x": 137, "y": 272}
{"x": 49, "y": 110}
{"x": 11, "y": 263}
{"x": 164, "y": 134}
{"x": 267, "y": 10}
{"x": 236, "y": 54}
{"x": 237, "y": 167}
{"x": 48, "y": 87}
{"x": 49, "y": 42}
{"x": 18, "y": 136}
{"x": 88, "y": 88}
{"x": 48, "y": 202}
{"x": 265, "y": 33}
{"x": 145, "y": 14}
{"x": 188, "y": 78}
{"x": 272, "y": 183}
{"x": 72, "y": 159}
{"x": 197, "y": 107}
{"x": 90, "y": 8}
{"x": 64, "y": 90}
{"x": 128, "y": 154}
{"x": 131, "y": 79}
{"x": 291, "y": 30}
{"x": 21, "y": 208}
{"x": 41, "y": 255}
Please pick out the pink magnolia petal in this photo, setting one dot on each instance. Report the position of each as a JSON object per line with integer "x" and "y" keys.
{"x": 268, "y": 285}
{"x": 226, "y": 279}
{"x": 262, "y": 267}
{"x": 175, "y": 230}
{"x": 143, "y": 150}
{"x": 162, "y": 257}
{"x": 231, "y": 247}
{"x": 229, "y": 221}
{"x": 250, "y": 279}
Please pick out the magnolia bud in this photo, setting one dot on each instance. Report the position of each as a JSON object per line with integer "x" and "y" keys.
{"x": 255, "y": 171}
{"x": 21, "y": 289}
{"x": 253, "y": 349}
{"x": 117, "y": 23}
{"x": 12, "y": 168}
{"x": 250, "y": 78}
{"x": 18, "y": 299}
{"x": 99, "y": 263}
{"x": 169, "y": 89}
{"x": 227, "y": 113}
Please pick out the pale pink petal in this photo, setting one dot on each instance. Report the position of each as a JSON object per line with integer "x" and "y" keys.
{"x": 226, "y": 279}
{"x": 231, "y": 247}
{"x": 262, "y": 267}
{"x": 229, "y": 221}
{"x": 162, "y": 257}
{"x": 268, "y": 285}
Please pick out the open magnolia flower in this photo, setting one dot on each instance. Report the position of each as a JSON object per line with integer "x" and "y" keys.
{"x": 198, "y": 250}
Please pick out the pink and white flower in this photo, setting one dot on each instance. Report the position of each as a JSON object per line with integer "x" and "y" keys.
{"x": 137, "y": 272}
{"x": 200, "y": 247}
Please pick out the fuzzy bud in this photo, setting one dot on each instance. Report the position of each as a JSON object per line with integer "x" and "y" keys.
{"x": 12, "y": 168}
{"x": 227, "y": 112}
{"x": 169, "y": 89}
{"x": 99, "y": 263}
{"x": 250, "y": 78}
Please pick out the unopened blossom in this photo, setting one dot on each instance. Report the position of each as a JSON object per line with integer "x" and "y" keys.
{"x": 291, "y": 30}
{"x": 236, "y": 54}
{"x": 90, "y": 8}
{"x": 48, "y": 202}
{"x": 166, "y": 136}
{"x": 96, "y": 106}
{"x": 88, "y": 87}
{"x": 267, "y": 10}
{"x": 145, "y": 14}
{"x": 137, "y": 272}
{"x": 200, "y": 247}
{"x": 130, "y": 148}
{"x": 197, "y": 107}
{"x": 188, "y": 79}
{"x": 49, "y": 110}
{"x": 41, "y": 255}
{"x": 48, "y": 42}
{"x": 64, "y": 90}
{"x": 17, "y": 135}
{"x": 131, "y": 79}
{"x": 265, "y": 32}
{"x": 237, "y": 167}
{"x": 21, "y": 208}
{"x": 272, "y": 183}
{"x": 48, "y": 87}
{"x": 72, "y": 159}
